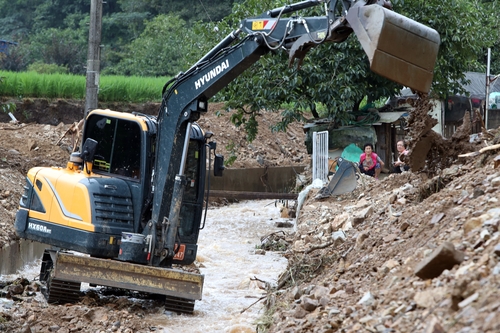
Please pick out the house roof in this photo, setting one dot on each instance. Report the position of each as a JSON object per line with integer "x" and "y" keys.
{"x": 7, "y": 42}
{"x": 477, "y": 85}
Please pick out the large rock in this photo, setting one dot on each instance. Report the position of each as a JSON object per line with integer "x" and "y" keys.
{"x": 444, "y": 257}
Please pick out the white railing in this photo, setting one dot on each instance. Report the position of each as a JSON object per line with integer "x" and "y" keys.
{"x": 320, "y": 156}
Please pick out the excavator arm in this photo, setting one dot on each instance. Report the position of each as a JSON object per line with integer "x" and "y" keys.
{"x": 384, "y": 35}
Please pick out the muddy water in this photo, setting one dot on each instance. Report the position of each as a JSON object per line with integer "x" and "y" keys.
{"x": 227, "y": 252}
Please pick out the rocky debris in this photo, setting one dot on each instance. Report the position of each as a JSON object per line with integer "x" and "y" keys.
{"x": 268, "y": 149}
{"x": 429, "y": 151}
{"x": 115, "y": 314}
{"x": 24, "y": 147}
{"x": 412, "y": 260}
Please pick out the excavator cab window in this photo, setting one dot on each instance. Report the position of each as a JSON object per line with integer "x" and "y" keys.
{"x": 118, "y": 145}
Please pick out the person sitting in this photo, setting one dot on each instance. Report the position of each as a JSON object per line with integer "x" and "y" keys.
{"x": 370, "y": 163}
{"x": 399, "y": 165}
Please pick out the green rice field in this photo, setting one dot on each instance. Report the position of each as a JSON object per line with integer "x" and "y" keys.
{"x": 111, "y": 88}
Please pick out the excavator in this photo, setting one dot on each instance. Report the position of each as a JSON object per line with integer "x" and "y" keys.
{"x": 127, "y": 209}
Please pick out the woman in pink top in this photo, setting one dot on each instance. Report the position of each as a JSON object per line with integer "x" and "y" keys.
{"x": 369, "y": 162}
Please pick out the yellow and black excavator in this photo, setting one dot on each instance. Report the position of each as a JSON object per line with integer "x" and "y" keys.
{"x": 127, "y": 209}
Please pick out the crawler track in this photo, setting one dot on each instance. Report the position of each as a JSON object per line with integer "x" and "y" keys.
{"x": 61, "y": 292}
{"x": 177, "y": 304}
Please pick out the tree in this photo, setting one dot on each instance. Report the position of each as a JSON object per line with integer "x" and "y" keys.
{"x": 13, "y": 61}
{"x": 189, "y": 10}
{"x": 15, "y": 18}
{"x": 66, "y": 48}
{"x": 492, "y": 6}
{"x": 159, "y": 51}
{"x": 53, "y": 14}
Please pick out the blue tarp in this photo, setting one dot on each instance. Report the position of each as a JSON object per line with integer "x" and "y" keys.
{"x": 351, "y": 153}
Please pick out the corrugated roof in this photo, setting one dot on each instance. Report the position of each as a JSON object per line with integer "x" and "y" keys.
{"x": 477, "y": 85}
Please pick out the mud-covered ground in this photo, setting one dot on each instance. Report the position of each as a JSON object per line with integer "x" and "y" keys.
{"x": 414, "y": 252}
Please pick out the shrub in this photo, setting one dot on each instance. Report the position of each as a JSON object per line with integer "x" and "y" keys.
{"x": 42, "y": 68}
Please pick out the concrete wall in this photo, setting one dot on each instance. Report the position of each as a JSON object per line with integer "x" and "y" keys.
{"x": 273, "y": 179}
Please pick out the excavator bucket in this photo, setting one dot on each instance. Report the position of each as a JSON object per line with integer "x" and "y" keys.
{"x": 344, "y": 180}
{"x": 398, "y": 48}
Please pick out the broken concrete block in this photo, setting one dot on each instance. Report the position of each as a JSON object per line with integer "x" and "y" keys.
{"x": 362, "y": 215}
{"x": 339, "y": 237}
{"x": 444, "y": 257}
{"x": 367, "y": 300}
{"x": 309, "y": 304}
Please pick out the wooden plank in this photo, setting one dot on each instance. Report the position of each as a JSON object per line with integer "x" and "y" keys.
{"x": 251, "y": 195}
{"x": 493, "y": 147}
{"x": 482, "y": 150}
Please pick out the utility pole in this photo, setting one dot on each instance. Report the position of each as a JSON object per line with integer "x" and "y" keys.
{"x": 93, "y": 56}
{"x": 487, "y": 99}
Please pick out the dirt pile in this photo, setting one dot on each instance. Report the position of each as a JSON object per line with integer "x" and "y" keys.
{"x": 29, "y": 312}
{"x": 405, "y": 254}
{"x": 414, "y": 252}
{"x": 269, "y": 148}
{"x": 429, "y": 151}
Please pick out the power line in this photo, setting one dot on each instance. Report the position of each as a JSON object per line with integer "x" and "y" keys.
{"x": 206, "y": 11}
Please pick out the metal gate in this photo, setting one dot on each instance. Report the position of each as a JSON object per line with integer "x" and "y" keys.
{"x": 320, "y": 156}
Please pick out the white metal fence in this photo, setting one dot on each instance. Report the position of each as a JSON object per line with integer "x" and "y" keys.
{"x": 320, "y": 156}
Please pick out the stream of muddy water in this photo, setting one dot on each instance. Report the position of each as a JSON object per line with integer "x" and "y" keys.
{"x": 227, "y": 253}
